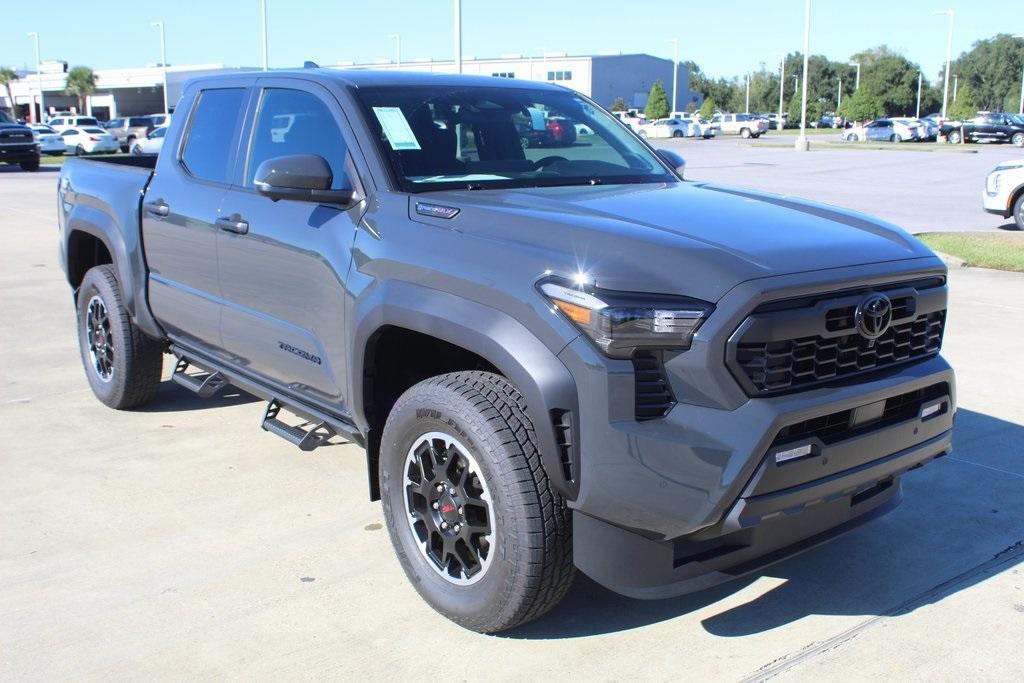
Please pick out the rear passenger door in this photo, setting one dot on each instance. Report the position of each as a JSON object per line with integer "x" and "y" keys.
{"x": 181, "y": 211}
{"x": 283, "y": 274}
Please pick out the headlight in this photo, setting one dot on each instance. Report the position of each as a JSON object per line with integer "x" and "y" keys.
{"x": 621, "y": 323}
{"x": 992, "y": 184}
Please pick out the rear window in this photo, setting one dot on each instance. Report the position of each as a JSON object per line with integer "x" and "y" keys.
{"x": 94, "y": 131}
{"x": 139, "y": 122}
{"x": 211, "y": 134}
{"x": 87, "y": 121}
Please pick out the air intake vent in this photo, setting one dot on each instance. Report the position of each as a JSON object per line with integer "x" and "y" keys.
{"x": 653, "y": 395}
{"x": 561, "y": 420}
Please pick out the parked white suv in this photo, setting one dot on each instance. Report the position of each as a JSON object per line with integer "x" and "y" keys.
{"x": 1004, "y": 191}
{"x": 744, "y": 125}
{"x": 61, "y": 123}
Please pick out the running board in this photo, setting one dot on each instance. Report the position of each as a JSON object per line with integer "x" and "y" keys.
{"x": 206, "y": 385}
{"x": 305, "y": 439}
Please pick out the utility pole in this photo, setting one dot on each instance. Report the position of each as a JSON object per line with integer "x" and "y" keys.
{"x": 782, "y": 81}
{"x": 675, "y": 71}
{"x": 163, "y": 59}
{"x": 918, "y": 114}
{"x": 801, "y": 141}
{"x": 949, "y": 58}
{"x": 39, "y": 84}
{"x": 458, "y": 35}
{"x": 263, "y": 14}
{"x": 398, "y": 48}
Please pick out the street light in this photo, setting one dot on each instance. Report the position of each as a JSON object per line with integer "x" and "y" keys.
{"x": 801, "y": 141}
{"x": 839, "y": 97}
{"x": 675, "y": 70}
{"x": 782, "y": 82}
{"x": 457, "y": 12}
{"x": 163, "y": 58}
{"x": 956, "y": 82}
{"x": 263, "y": 14}
{"x": 398, "y": 48}
{"x": 747, "y": 105}
{"x": 856, "y": 84}
{"x": 1021, "y": 110}
{"x": 39, "y": 82}
{"x": 949, "y": 58}
{"x": 918, "y": 114}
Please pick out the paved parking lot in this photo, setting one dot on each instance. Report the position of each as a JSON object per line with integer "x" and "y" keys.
{"x": 180, "y": 541}
{"x": 922, "y": 191}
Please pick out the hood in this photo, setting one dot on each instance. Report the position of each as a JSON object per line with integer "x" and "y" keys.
{"x": 687, "y": 238}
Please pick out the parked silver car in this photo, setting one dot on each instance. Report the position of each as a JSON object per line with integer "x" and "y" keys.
{"x": 129, "y": 129}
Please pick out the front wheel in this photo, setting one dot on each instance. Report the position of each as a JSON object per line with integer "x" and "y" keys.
{"x": 79, "y": 151}
{"x": 677, "y": 133}
{"x": 643, "y": 134}
{"x": 745, "y": 133}
{"x": 953, "y": 138}
{"x": 1018, "y": 212}
{"x": 136, "y": 151}
{"x": 1018, "y": 139}
{"x": 121, "y": 363}
{"x": 895, "y": 138}
{"x": 476, "y": 525}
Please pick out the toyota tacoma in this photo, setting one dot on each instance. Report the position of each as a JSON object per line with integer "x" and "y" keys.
{"x": 554, "y": 359}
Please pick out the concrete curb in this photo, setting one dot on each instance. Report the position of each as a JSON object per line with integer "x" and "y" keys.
{"x": 951, "y": 261}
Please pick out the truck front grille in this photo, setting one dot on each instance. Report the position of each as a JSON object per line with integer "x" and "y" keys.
{"x": 789, "y": 348}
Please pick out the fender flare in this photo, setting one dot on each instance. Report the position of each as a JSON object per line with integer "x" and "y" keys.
{"x": 506, "y": 343}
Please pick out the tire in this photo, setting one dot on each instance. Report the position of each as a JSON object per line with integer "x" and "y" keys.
{"x": 745, "y": 133}
{"x": 134, "y": 360}
{"x": 528, "y": 565}
{"x": 953, "y": 138}
{"x": 677, "y": 133}
{"x": 30, "y": 166}
{"x": 643, "y": 134}
{"x": 136, "y": 151}
{"x": 895, "y": 138}
{"x": 1018, "y": 212}
{"x": 1018, "y": 139}
{"x": 79, "y": 151}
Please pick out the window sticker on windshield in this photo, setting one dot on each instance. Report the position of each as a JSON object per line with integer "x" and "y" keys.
{"x": 396, "y": 128}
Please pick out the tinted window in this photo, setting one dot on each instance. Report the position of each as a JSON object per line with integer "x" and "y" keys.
{"x": 208, "y": 147}
{"x": 115, "y": 123}
{"x": 57, "y": 122}
{"x": 87, "y": 121}
{"x": 69, "y": 132}
{"x": 297, "y": 122}
{"x": 158, "y": 133}
{"x": 94, "y": 131}
{"x": 139, "y": 122}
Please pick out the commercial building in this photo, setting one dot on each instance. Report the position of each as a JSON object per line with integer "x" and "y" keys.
{"x": 603, "y": 77}
{"x": 139, "y": 90}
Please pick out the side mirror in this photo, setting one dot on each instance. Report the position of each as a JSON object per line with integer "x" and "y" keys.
{"x": 300, "y": 177}
{"x": 677, "y": 162}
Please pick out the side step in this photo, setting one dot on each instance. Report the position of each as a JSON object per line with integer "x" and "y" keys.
{"x": 205, "y": 385}
{"x": 305, "y": 439}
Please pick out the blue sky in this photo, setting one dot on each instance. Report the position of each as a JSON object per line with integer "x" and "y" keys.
{"x": 725, "y": 38}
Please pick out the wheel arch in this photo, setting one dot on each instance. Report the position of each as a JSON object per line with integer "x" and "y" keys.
{"x": 471, "y": 334}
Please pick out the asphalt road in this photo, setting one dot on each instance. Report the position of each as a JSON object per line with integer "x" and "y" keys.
{"x": 181, "y": 542}
{"x": 919, "y": 190}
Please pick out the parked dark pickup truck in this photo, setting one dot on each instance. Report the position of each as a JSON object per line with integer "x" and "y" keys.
{"x": 17, "y": 144}
{"x": 555, "y": 359}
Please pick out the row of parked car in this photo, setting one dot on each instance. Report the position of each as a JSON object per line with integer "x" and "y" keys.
{"x": 81, "y": 135}
{"x": 986, "y": 127}
{"x": 688, "y": 125}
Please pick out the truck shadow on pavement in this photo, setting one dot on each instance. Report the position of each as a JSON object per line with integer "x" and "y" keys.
{"x": 961, "y": 520}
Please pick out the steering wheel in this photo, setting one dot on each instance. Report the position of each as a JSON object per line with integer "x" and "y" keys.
{"x": 547, "y": 161}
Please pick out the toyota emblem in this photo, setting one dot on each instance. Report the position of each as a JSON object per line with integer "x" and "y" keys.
{"x": 873, "y": 315}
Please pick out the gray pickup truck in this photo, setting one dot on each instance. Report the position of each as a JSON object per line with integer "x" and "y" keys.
{"x": 554, "y": 359}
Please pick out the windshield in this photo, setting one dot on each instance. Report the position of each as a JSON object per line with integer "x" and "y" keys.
{"x": 441, "y": 137}
{"x": 5, "y": 118}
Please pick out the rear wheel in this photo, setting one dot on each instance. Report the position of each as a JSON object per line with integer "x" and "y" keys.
{"x": 30, "y": 166}
{"x": 79, "y": 151}
{"x": 1018, "y": 212}
{"x": 473, "y": 519}
{"x": 954, "y": 138}
{"x": 895, "y": 137}
{"x": 745, "y": 133}
{"x": 136, "y": 150}
{"x": 643, "y": 134}
{"x": 677, "y": 133}
{"x": 121, "y": 363}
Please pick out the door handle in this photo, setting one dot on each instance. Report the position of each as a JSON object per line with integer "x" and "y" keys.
{"x": 235, "y": 224}
{"x": 157, "y": 207}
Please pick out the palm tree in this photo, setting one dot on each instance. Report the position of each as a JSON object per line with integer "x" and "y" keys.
{"x": 81, "y": 82}
{"x": 7, "y": 76}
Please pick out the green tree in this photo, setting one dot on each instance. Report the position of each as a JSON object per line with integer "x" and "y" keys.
{"x": 619, "y": 104}
{"x": 992, "y": 67}
{"x": 814, "y": 111}
{"x": 964, "y": 107}
{"x": 708, "y": 109}
{"x": 657, "y": 102}
{"x": 890, "y": 77}
{"x": 862, "y": 106}
{"x": 7, "y": 77}
{"x": 81, "y": 82}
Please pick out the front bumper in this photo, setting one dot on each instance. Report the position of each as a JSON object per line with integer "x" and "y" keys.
{"x": 998, "y": 204}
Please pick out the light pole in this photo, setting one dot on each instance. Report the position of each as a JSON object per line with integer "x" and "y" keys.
{"x": 163, "y": 58}
{"x": 839, "y": 97}
{"x": 782, "y": 81}
{"x": 457, "y": 11}
{"x": 398, "y": 48}
{"x": 856, "y": 83}
{"x": 949, "y": 58}
{"x": 918, "y": 115}
{"x": 675, "y": 70}
{"x": 1021, "y": 109}
{"x": 263, "y": 14}
{"x": 746, "y": 109}
{"x": 796, "y": 83}
{"x": 956, "y": 83}
{"x": 39, "y": 83}
{"x": 801, "y": 141}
